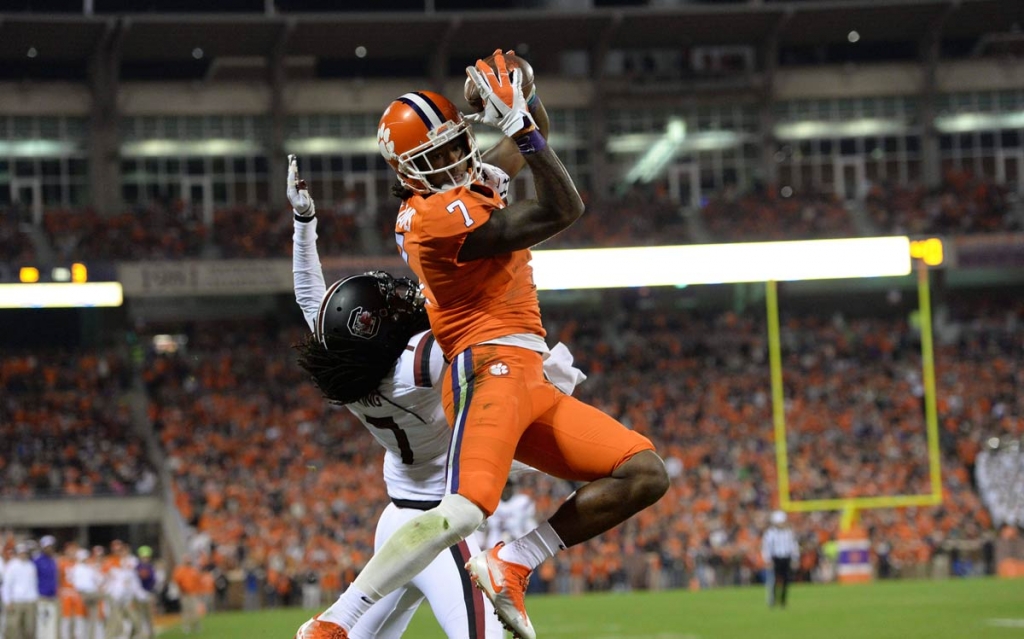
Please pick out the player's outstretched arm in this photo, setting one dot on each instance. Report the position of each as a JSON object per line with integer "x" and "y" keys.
{"x": 307, "y": 274}
{"x": 557, "y": 205}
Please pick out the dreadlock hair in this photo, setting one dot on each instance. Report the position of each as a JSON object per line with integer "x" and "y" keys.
{"x": 401, "y": 191}
{"x": 348, "y": 371}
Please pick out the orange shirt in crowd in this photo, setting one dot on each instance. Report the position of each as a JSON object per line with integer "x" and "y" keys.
{"x": 188, "y": 579}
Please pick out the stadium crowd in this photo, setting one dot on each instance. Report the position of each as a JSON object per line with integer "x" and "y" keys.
{"x": 67, "y": 426}
{"x": 768, "y": 216}
{"x": 15, "y": 245}
{"x": 963, "y": 204}
{"x": 282, "y": 484}
{"x": 283, "y": 490}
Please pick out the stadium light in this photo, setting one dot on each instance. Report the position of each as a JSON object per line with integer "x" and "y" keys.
{"x": 157, "y": 147}
{"x": 855, "y": 127}
{"x": 28, "y": 274}
{"x": 54, "y": 295}
{"x": 660, "y": 154}
{"x": 965, "y": 122}
{"x": 721, "y": 263}
{"x": 38, "y": 148}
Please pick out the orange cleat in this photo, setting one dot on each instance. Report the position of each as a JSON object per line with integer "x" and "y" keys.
{"x": 316, "y": 629}
{"x": 504, "y": 583}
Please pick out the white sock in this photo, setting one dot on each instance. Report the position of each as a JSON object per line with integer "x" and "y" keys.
{"x": 533, "y": 548}
{"x": 349, "y": 607}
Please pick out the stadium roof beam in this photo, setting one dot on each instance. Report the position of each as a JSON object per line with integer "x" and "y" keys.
{"x": 104, "y": 79}
{"x": 930, "y": 45}
{"x": 598, "y": 139}
{"x": 439, "y": 58}
{"x": 406, "y": 35}
{"x": 277, "y": 79}
{"x": 766, "y": 115}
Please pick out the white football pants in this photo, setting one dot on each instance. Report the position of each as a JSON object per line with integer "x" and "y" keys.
{"x": 459, "y": 607}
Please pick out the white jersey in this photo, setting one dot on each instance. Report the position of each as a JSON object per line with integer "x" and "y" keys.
{"x": 406, "y": 417}
{"x": 85, "y": 577}
{"x": 405, "y": 414}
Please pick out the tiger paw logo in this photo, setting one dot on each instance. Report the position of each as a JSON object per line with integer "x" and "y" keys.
{"x": 362, "y": 323}
{"x": 386, "y": 144}
{"x": 499, "y": 369}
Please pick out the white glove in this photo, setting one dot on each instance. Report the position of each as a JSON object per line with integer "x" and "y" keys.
{"x": 502, "y": 94}
{"x": 496, "y": 179}
{"x": 298, "y": 195}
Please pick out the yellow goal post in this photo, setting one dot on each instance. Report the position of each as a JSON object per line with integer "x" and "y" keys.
{"x": 771, "y": 262}
{"x": 850, "y": 505}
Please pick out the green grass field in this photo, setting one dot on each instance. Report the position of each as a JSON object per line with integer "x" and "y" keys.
{"x": 974, "y": 609}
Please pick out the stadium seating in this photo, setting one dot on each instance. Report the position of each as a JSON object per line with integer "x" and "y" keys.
{"x": 250, "y": 442}
{"x": 962, "y": 205}
{"x": 67, "y": 428}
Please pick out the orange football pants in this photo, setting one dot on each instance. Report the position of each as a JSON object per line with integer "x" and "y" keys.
{"x": 71, "y": 603}
{"x": 501, "y": 406}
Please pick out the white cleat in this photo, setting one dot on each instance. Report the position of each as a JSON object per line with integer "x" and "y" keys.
{"x": 504, "y": 583}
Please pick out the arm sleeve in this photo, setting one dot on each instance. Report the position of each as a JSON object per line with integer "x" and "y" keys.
{"x": 307, "y": 273}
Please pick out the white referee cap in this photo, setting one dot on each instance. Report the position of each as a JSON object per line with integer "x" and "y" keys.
{"x": 778, "y": 517}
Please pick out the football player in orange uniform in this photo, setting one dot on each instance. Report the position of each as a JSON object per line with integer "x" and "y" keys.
{"x": 471, "y": 254}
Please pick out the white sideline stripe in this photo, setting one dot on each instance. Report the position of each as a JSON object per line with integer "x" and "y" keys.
{"x": 1006, "y": 623}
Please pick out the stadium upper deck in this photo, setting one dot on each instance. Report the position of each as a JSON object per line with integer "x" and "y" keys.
{"x": 134, "y": 103}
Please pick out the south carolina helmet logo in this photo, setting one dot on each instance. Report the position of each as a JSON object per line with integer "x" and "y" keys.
{"x": 363, "y": 323}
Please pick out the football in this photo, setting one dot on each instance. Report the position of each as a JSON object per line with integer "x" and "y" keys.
{"x": 512, "y": 61}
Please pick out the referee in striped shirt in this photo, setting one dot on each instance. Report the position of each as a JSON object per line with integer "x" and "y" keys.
{"x": 780, "y": 552}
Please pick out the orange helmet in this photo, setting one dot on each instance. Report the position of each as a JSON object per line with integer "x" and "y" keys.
{"x": 416, "y": 124}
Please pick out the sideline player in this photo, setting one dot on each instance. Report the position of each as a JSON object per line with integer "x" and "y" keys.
{"x": 471, "y": 254}
{"x": 371, "y": 350}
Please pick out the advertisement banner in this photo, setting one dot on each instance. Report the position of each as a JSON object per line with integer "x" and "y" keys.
{"x": 187, "y": 278}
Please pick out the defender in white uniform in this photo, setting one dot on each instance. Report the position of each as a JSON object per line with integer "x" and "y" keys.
{"x": 371, "y": 350}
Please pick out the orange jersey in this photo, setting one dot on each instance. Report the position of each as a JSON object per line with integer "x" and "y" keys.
{"x": 468, "y": 302}
{"x": 64, "y": 564}
{"x": 188, "y": 579}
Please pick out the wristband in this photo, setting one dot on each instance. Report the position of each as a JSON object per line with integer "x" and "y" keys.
{"x": 302, "y": 218}
{"x": 531, "y": 142}
{"x": 531, "y": 102}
